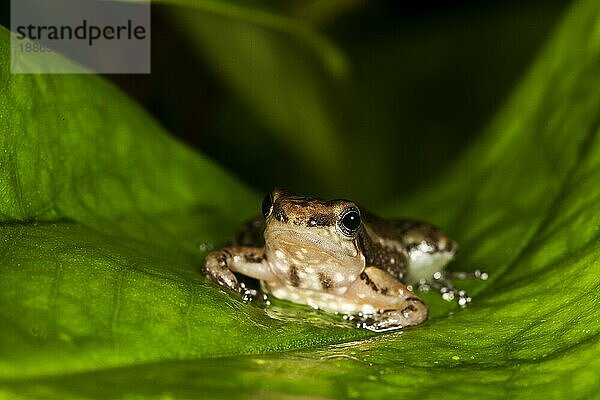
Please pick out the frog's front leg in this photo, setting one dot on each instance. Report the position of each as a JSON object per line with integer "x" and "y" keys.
{"x": 221, "y": 265}
{"x": 395, "y": 306}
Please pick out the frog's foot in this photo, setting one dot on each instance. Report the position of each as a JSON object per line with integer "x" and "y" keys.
{"x": 414, "y": 313}
{"x": 248, "y": 295}
{"x": 449, "y": 292}
{"x": 442, "y": 283}
{"x": 216, "y": 267}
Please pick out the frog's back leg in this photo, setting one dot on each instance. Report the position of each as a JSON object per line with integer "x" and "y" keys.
{"x": 425, "y": 248}
{"x": 429, "y": 251}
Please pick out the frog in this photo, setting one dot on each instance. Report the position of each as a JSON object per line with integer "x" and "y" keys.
{"x": 335, "y": 256}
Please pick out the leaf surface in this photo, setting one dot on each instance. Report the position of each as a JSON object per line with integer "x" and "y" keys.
{"x": 100, "y": 292}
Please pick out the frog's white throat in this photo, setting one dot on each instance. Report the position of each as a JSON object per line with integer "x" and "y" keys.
{"x": 310, "y": 246}
{"x": 307, "y": 258}
{"x": 325, "y": 240}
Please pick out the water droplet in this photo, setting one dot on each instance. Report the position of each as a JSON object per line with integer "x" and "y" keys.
{"x": 205, "y": 247}
{"x": 448, "y": 296}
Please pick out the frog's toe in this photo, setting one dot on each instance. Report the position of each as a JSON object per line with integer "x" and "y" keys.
{"x": 415, "y": 312}
{"x": 461, "y": 276}
{"x": 248, "y": 295}
{"x": 450, "y": 294}
{"x": 442, "y": 283}
{"x": 226, "y": 279}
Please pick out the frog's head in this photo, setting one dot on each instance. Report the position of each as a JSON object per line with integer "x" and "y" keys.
{"x": 311, "y": 231}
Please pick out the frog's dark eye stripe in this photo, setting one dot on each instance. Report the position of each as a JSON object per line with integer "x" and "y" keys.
{"x": 349, "y": 221}
{"x": 267, "y": 205}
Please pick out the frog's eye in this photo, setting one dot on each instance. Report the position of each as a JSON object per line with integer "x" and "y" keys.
{"x": 267, "y": 205}
{"x": 350, "y": 221}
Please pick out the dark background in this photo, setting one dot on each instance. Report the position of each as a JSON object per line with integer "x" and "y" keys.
{"x": 425, "y": 79}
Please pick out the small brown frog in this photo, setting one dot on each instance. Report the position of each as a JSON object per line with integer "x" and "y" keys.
{"x": 333, "y": 256}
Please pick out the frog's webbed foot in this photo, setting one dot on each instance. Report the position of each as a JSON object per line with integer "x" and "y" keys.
{"x": 414, "y": 313}
{"x": 442, "y": 283}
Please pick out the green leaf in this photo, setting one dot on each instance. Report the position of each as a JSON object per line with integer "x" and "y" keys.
{"x": 100, "y": 295}
{"x": 73, "y": 147}
{"x": 102, "y": 218}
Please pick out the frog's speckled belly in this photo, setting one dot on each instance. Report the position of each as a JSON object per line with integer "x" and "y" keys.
{"x": 328, "y": 301}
